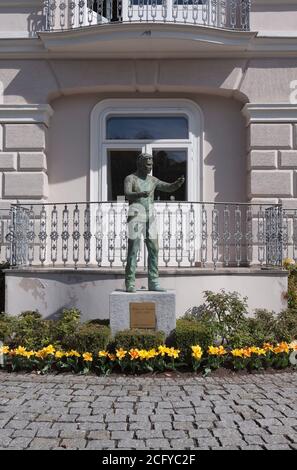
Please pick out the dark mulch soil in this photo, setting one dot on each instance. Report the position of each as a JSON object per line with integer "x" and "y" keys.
{"x": 219, "y": 373}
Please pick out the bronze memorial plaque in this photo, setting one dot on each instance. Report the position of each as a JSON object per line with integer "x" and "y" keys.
{"x": 143, "y": 315}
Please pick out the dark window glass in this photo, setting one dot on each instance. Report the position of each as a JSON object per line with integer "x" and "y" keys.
{"x": 168, "y": 166}
{"x": 147, "y": 127}
{"x": 121, "y": 163}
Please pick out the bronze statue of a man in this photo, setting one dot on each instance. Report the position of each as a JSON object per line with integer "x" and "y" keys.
{"x": 139, "y": 190}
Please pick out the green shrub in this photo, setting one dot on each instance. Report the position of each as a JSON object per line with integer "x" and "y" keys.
{"x": 140, "y": 339}
{"x": 87, "y": 338}
{"x": 66, "y": 326}
{"x": 98, "y": 321}
{"x": 226, "y": 311}
{"x": 262, "y": 327}
{"x": 292, "y": 286}
{"x": 222, "y": 316}
{"x": 30, "y": 330}
{"x": 190, "y": 333}
{"x": 286, "y": 325}
{"x": 7, "y": 323}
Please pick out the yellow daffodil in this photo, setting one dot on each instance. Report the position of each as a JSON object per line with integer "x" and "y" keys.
{"x": 216, "y": 351}
{"x": 281, "y": 348}
{"x": 19, "y": 351}
{"x": 152, "y": 353}
{"x": 50, "y": 349}
{"x": 29, "y": 354}
{"x": 197, "y": 352}
{"x": 103, "y": 354}
{"x": 41, "y": 354}
{"x": 171, "y": 352}
{"x": 257, "y": 351}
{"x": 143, "y": 354}
{"x": 246, "y": 352}
{"x": 60, "y": 354}
{"x": 134, "y": 354}
{"x": 88, "y": 357}
{"x": 237, "y": 352}
{"x": 121, "y": 354}
{"x": 268, "y": 347}
{"x": 4, "y": 350}
{"x": 72, "y": 353}
{"x": 162, "y": 350}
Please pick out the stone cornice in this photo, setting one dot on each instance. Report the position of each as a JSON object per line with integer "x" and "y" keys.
{"x": 26, "y": 113}
{"x": 151, "y": 41}
{"x": 269, "y": 113}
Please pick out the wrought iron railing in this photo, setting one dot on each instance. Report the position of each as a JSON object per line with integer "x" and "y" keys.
{"x": 70, "y": 14}
{"x": 190, "y": 235}
{"x": 289, "y": 234}
{"x": 6, "y": 230}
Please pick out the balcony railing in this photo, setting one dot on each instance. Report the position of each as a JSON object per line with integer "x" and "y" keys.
{"x": 190, "y": 235}
{"x": 71, "y": 14}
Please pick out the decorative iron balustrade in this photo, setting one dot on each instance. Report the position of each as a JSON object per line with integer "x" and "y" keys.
{"x": 6, "y": 231}
{"x": 289, "y": 234}
{"x": 71, "y": 14}
{"x": 190, "y": 235}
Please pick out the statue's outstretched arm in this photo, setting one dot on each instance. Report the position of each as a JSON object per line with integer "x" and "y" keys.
{"x": 170, "y": 187}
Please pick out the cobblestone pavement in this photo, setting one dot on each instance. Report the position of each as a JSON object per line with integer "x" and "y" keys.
{"x": 89, "y": 412}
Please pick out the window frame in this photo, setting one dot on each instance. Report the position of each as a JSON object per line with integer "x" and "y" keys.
{"x": 100, "y": 145}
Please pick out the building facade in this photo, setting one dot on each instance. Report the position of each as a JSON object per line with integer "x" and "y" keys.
{"x": 209, "y": 87}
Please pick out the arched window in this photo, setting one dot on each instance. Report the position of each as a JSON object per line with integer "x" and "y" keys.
{"x": 170, "y": 130}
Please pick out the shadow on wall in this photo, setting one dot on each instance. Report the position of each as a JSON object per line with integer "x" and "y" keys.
{"x": 225, "y": 156}
{"x": 36, "y": 22}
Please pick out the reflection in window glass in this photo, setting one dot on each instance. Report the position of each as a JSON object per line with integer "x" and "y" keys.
{"x": 147, "y": 127}
{"x": 121, "y": 163}
{"x": 168, "y": 166}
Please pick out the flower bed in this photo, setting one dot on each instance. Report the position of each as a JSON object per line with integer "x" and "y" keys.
{"x": 50, "y": 359}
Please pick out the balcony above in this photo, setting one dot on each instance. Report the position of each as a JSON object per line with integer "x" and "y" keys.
{"x": 73, "y": 14}
{"x": 145, "y": 28}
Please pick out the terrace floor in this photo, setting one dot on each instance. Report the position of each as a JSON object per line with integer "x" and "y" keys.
{"x": 164, "y": 412}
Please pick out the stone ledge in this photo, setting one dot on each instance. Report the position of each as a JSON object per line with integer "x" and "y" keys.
{"x": 244, "y": 271}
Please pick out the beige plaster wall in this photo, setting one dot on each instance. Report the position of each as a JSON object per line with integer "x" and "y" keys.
{"x": 254, "y": 80}
{"x": 50, "y": 292}
{"x": 272, "y": 15}
{"x": 224, "y": 159}
{"x": 17, "y": 17}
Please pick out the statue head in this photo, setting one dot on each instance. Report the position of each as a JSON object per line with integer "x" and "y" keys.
{"x": 144, "y": 163}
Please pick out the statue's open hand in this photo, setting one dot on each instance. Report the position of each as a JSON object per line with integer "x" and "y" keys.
{"x": 180, "y": 181}
{"x": 144, "y": 194}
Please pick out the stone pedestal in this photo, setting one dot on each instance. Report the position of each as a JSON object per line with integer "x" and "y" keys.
{"x": 119, "y": 309}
